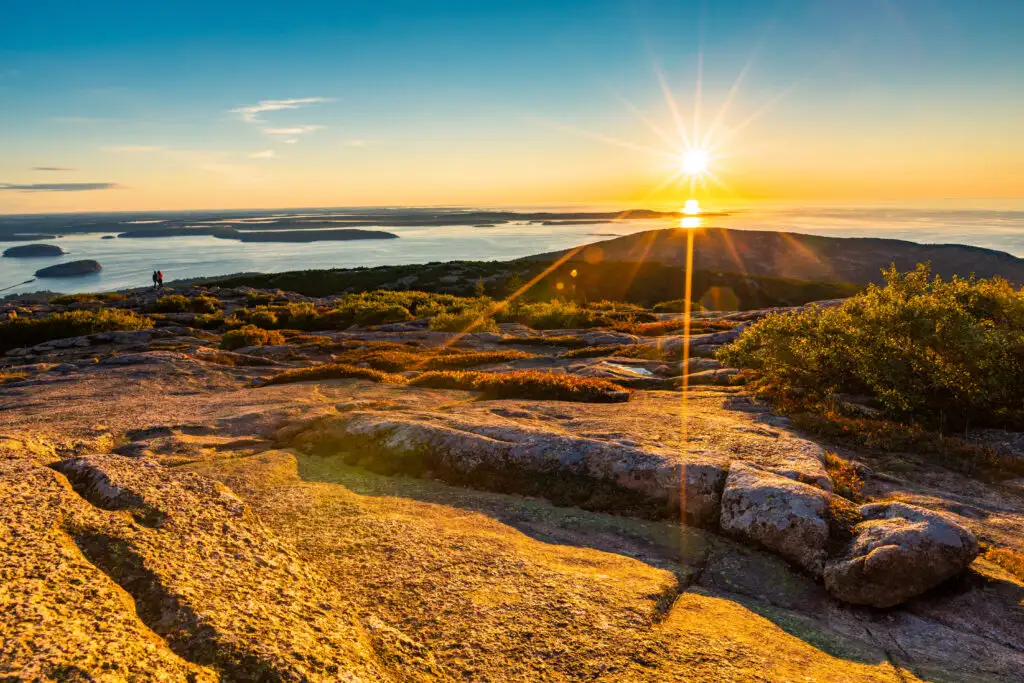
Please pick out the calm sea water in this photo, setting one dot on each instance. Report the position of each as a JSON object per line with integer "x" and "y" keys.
{"x": 130, "y": 262}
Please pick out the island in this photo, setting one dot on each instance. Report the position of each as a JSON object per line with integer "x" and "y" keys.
{"x": 70, "y": 269}
{"x": 34, "y": 251}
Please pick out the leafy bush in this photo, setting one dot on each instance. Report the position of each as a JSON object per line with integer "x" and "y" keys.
{"x": 250, "y": 335}
{"x": 1010, "y": 560}
{"x": 204, "y": 304}
{"x": 556, "y": 315}
{"x": 172, "y": 303}
{"x": 526, "y": 384}
{"x": 208, "y": 321}
{"x": 470, "y": 320}
{"x": 66, "y": 299}
{"x": 943, "y": 353}
{"x": 20, "y": 332}
{"x": 258, "y": 299}
{"x": 846, "y": 481}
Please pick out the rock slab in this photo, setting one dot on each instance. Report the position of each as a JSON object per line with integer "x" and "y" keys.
{"x": 899, "y": 551}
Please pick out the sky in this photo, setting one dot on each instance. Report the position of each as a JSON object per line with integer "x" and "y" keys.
{"x": 117, "y": 105}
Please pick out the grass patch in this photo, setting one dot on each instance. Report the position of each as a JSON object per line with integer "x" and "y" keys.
{"x": 593, "y": 351}
{"x": 104, "y": 297}
{"x": 526, "y": 384}
{"x": 553, "y": 340}
{"x": 20, "y": 332}
{"x": 6, "y": 377}
{"x": 846, "y": 482}
{"x": 1010, "y": 560}
{"x": 332, "y": 371}
{"x": 471, "y": 320}
{"x": 178, "y": 303}
{"x": 250, "y": 335}
{"x": 209, "y": 321}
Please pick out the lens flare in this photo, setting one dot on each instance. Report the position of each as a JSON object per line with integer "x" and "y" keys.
{"x": 695, "y": 162}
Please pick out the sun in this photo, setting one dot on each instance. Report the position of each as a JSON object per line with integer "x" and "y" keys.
{"x": 694, "y": 162}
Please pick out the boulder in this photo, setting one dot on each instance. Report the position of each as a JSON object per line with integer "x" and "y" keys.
{"x": 779, "y": 514}
{"x": 70, "y": 269}
{"x": 897, "y": 552}
{"x": 34, "y": 251}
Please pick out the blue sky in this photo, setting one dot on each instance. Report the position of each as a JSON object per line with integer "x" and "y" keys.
{"x": 503, "y": 103}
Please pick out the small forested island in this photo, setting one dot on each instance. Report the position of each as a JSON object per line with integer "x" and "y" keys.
{"x": 34, "y": 251}
{"x": 70, "y": 269}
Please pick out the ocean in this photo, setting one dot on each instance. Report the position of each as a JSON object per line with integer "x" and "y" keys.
{"x": 130, "y": 262}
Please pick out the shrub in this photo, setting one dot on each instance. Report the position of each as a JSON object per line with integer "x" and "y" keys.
{"x": 65, "y": 299}
{"x": 526, "y": 384}
{"x": 250, "y": 335}
{"x": 20, "y": 332}
{"x": 556, "y": 315}
{"x": 944, "y": 353}
{"x": 258, "y": 299}
{"x": 553, "y": 340}
{"x": 204, "y": 304}
{"x": 262, "y": 317}
{"x": 676, "y": 306}
{"x": 172, "y": 303}
{"x": 470, "y": 320}
{"x": 209, "y": 321}
{"x": 332, "y": 371}
{"x": 846, "y": 482}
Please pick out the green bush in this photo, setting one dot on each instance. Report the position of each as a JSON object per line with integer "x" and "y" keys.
{"x": 65, "y": 299}
{"x": 208, "y": 321}
{"x": 944, "y": 353}
{"x": 172, "y": 303}
{"x": 469, "y": 320}
{"x": 557, "y": 315}
{"x": 23, "y": 331}
{"x": 204, "y": 304}
{"x": 250, "y": 335}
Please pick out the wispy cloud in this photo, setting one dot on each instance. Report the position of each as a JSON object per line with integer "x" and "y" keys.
{"x": 135, "y": 148}
{"x": 53, "y": 168}
{"x": 250, "y": 112}
{"x": 290, "y": 141}
{"x": 57, "y": 187}
{"x": 265, "y": 154}
{"x": 355, "y": 143}
{"x": 293, "y": 130}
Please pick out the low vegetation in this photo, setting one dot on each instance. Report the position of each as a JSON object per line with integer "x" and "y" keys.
{"x": 523, "y": 384}
{"x": 942, "y": 353}
{"x": 328, "y": 371}
{"x": 846, "y": 481}
{"x": 101, "y": 297}
{"x": 24, "y": 331}
{"x": 1010, "y": 560}
{"x": 178, "y": 303}
{"x": 469, "y": 320}
{"x": 250, "y": 335}
{"x": 552, "y": 340}
{"x": 529, "y": 384}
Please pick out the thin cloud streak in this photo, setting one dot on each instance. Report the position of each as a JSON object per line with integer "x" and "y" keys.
{"x": 53, "y": 168}
{"x": 57, "y": 187}
{"x": 249, "y": 113}
{"x": 294, "y": 130}
{"x": 265, "y": 154}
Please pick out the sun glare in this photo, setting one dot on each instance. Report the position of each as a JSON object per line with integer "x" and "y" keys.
{"x": 695, "y": 162}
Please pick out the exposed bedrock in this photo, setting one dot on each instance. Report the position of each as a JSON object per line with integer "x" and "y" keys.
{"x": 776, "y": 513}
{"x": 216, "y": 595}
{"x": 781, "y": 504}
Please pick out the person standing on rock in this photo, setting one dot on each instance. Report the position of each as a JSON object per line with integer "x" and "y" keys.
{"x": 155, "y": 278}
{"x": 159, "y": 279}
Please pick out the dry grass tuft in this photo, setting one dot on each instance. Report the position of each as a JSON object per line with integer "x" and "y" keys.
{"x": 1010, "y": 560}
{"x": 332, "y": 371}
{"x": 846, "y": 482}
{"x": 526, "y": 384}
{"x": 250, "y": 335}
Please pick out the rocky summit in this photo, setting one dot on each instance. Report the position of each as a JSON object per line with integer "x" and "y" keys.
{"x": 193, "y": 490}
